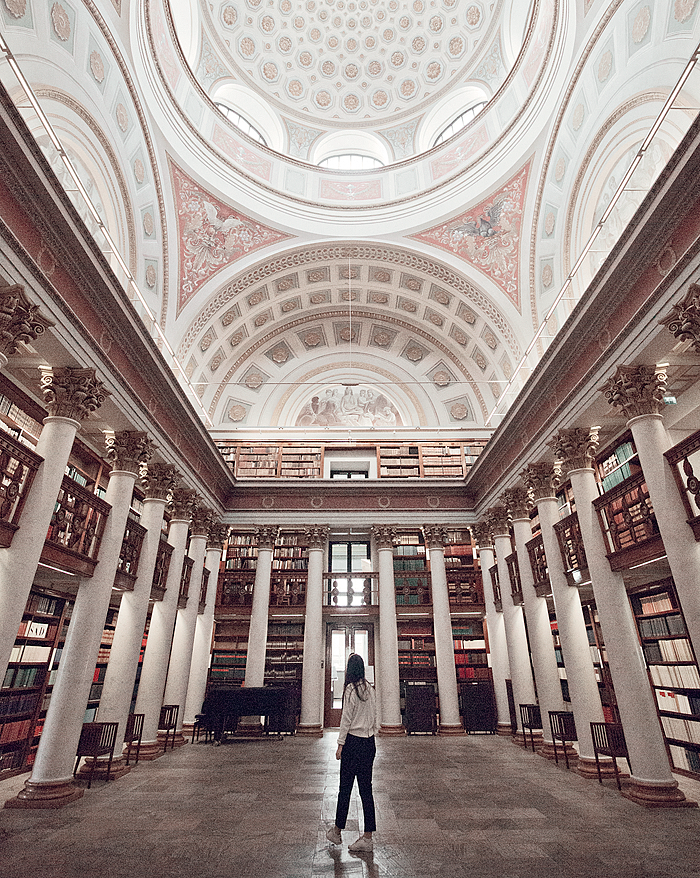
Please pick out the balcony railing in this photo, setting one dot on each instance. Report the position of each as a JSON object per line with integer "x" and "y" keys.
{"x": 236, "y": 589}
{"x": 185, "y": 579}
{"x": 538, "y": 563}
{"x": 684, "y": 458}
{"x": 465, "y": 587}
{"x": 496, "y": 586}
{"x": 573, "y": 553}
{"x": 75, "y": 532}
{"x": 18, "y": 464}
{"x": 160, "y": 574}
{"x": 128, "y": 566}
{"x": 412, "y": 587}
{"x": 350, "y": 589}
{"x": 288, "y": 589}
{"x": 203, "y": 591}
{"x": 628, "y": 523}
{"x": 516, "y": 586}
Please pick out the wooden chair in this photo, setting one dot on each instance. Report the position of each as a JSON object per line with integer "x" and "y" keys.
{"x": 96, "y": 739}
{"x": 609, "y": 740}
{"x": 202, "y": 723}
{"x": 133, "y": 734}
{"x": 168, "y": 723}
{"x": 531, "y": 721}
{"x": 563, "y": 727}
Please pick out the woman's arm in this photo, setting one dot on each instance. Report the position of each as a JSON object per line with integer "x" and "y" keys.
{"x": 349, "y": 707}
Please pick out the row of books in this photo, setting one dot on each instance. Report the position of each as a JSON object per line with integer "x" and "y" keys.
{"x": 423, "y": 660}
{"x": 409, "y": 550}
{"x": 656, "y": 603}
{"x": 668, "y": 651}
{"x": 398, "y": 450}
{"x": 223, "y": 674}
{"x": 286, "y": 629}
{"x": 95, "y": 692}
{"x": 675, "y": 676}
{"x": 677, "y": 702}
{"x": 241, "y": 563}
{"x": 14, "y": 731}
{"x": 242, "y": 540}
{"x": 401, "y": 564}
{"x": 290, "y": 564}
{"x": 17, "y": 704}
{"x": 470, "y": 658}
{"x": 297, "y": 472}
{"x": 108, "y": 635}
{"x": 442, "y": 470}
{"x": 34, "y": 630}
{"x": 99, "y": 675}
{"x": 301, "y": 449}
{"x": 479, "y": 673}
{"x": 43, "y": 605}
{"x": 102, "y": 656}
{"x": 416, "y": 643}
{"x": 408, "y": 539}
{"x": 228, "y": 659}
{"x": 662, "y": 626}
{"x": 441, "y": 451}
{"x": 684, "y": 758}
{"x": 11, "y": 759}
{"x": 470, "y": 644}
{"x": 681, "y": 729}
{"x": 22, "y": 678}
{"x": 28, "y": 652}
{"x": 399, "y": 471}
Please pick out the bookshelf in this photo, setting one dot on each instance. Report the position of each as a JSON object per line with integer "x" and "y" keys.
{"x": 23, "y": 694}
{"x": 101, "y": 666}
{"x": 416, "y": 643}
{"x": 439, "y": 461}
{"x": 464, "y": 583}
{"x": 241, "y": 553}
{"x": 257, "y": 461}
{"x": 599, "y": 658}
{"x": 411, "y": 576}
{"x": 228, "y": 658}
{"x": 559, "y": 656}
{"x": 301, "y": 461}
{"x": 285, "y": 652}
{"x": 471, "y": 660}
{"x": 617, "y": 464}
{"x": 290, "y": 563}
{"x": 398, "y": 461}
{"x": 673, "y": 671}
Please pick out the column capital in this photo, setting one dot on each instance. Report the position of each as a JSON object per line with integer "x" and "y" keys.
{"x": 217, "y": 535}
{"x": 542, "y": 479}
{"x": 517, "y": 501}
{"x": 20, "y": 319}
{"x": 497, "y": 517}
{"x": 436, "y": 536}
{"x": 202, "y": 517}
{"x": 384, "y": 535}
{"x": 683, "y": 320}
{"x": 575, "y": 447}
{"x": 129, "y": 450}
{"x": 316, "y": 535}
{"x": 637, "y": 390}
{"x": 266, "y": 535}
{"x": 182, "y": 502}
{"x": 160, "y": 480}
{"x": 71, "y": 392}
{"x": 482, "y": 535}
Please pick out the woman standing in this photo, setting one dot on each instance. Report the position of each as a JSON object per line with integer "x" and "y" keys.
{"x": 356, "y": 751}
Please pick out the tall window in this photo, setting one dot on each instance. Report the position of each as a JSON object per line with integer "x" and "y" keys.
{"x": 350, "y": 161}
{"x": 460, "y": 122}
{"x": 241, "y": 123}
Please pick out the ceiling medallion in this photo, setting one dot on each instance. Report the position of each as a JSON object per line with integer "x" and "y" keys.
{"x": 254, "y": 380}
{"x": 236, "y": 413}
{"x": 459, "y": 411}
{"x": 381, "y": 338}
{"x": 280, "y": 355}
{"x": 442, "y": 378}
{"x": 414, "y": 354}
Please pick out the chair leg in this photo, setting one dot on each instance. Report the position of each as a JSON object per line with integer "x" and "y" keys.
{"x": 566, "y": 755}
{"x": 617, "y": 773}
{"x": 597, "y": 765}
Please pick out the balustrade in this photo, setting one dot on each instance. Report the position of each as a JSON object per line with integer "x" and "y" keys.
{"x": 466, "y": 588}
{"x": 75, "y": 532}
{"x": 496, "y": 587}
{"x": 684, "y": 458}
{"x": 18, "y": 465}
{"x": 288, "y": 590}
{"x": 203, "y": 591}
{"x": 185, "y": 578}
{"x": 516, "y": 587}
{"x": 127, "y": 568}
{"x": 350, "y": 589}
{"x": 628, "y": 523}
{"x": 538, "y": 563}
{"x": 236, "y": 589}
{"x": 412, "y": 587}
{"x": 160, "y": 573}
{"x": 572, "y": 550}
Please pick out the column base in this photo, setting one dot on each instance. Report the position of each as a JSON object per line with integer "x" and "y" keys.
{"x": 586, "y": 768}
{"x": 655, "y": 796}
{"x": 46, "y": 795}
{"x": 546, "y": 749}
{"x": 504, "y": 730}
{"x": 445, "y": 730}
{"x": 187, "y": 729}
{"x": 392, "y": 731}
{"x": 310, "y": 730}
{"x": 119, "y": 769}
{"x": 150, "y": 750}
{"x": 177, "y": 741}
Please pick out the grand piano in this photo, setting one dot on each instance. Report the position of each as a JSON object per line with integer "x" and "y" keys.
{"x": 224, "y": 705}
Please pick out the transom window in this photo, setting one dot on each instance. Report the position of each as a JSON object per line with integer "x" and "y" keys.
{"x": 460, "y": 122}
{"x": 349, "y": 474}
{"x": 350, "y": 161}
{"x": 241, "y": 123}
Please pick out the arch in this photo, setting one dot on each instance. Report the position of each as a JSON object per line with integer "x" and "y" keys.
{"x": 343, "y": 142}
{"x": 244, "y": 101}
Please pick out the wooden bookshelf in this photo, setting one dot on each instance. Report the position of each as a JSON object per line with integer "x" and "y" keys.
{"x": 301, "y": 462}
{"x": 441, "y": 461}
{"x": 471, "y": 659}
{"x": 258, "y": 461}
{"x": 411, "y": 575}
{"x": 599, "y": 658}
{"x": 464, "y": 584}
{"x": 617, "y": 463}
{"x": 416, "y": 643}
{"x": 284, "y": 656}
{"x": 559, "y": 656}
{"x": 23, "y": 693}
{"x": 673, "y": 671}
{"x": 228, "y": 658}
{"x": 290, "y": 564}
{"x": 101, "y": 666}
{"x": 398, "y": 461}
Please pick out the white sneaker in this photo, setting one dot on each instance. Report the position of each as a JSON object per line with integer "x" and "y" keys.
{"x": 333, "y": 835}
{"x": 362, "y": 844}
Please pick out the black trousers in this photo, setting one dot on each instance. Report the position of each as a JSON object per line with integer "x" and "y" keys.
{"x": 356, "y": 761}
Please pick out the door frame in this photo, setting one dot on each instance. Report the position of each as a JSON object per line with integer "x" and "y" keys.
{"x": 331, "y": 716}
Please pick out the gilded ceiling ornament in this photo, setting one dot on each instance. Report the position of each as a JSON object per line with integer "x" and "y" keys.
{"x": 605, "y": 66}
{"x": 229, "y": 15}
{"x": 254, "y": 380}
{"x": 312, "y": 339}
{"x": 381, "y": 338}
{"x": 148, "y": 224}
{"x": 560, "y": 170}
{"x": 261, "y": 319}
{"x": 414, "y": 354}
{"x": 459, "y": 336}
{"x": 436, "y": 319}
{"x": 122, "y": 117}
{"x": 16, "y": 8}
{"x": 290, "y": 305}
{"x": 683, "y": 9}
{"x": 318, "y": 298}
{"x": 441, "y": 378}
{"x": 139, "y": 171}
{"x": 473, "y": 16}
{"x": 547, "y": 275}
{"x": 236, "y": 339}
{"x": 549, "y": 221}
{"x": 577, "y": 118}
{"x": 280, "y": 355}
{"x": 641, "y": 24}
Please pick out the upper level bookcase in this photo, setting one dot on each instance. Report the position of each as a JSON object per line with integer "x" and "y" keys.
{"x": 399, "y": 460}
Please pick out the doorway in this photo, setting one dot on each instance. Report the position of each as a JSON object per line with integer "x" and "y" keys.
{"x": 342, "y": 639}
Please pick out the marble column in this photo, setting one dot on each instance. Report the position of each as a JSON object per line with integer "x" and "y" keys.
{"x": 257, "y": 635}
{"x": 652, "y": 782}
{"x": 639, "y": 391}
{"x": 495, "y": 627}
{"x": 450, "y": 723}
{"x": 388, "y": 677}
{"x": 539, "y": 629}
{"x": 516, "y": 639}
{"x": 186, "y": 619}
{"x": 310, "y": 722}
{"x": 20, "y": 321}
{"x": 51, "y": 782}
{"x": 70, "y": 395}
{"x": 542, "y": 480}
{"x": 204, "y": 627}
{"x": 154, "y": 669}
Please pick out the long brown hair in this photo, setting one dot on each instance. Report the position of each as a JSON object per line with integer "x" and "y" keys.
{"x": 355, "y": 676}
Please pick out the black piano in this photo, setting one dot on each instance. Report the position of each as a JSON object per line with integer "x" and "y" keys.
{"x": 225, "y": 705}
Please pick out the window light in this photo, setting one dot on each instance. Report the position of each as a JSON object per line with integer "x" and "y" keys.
{"x": 460, "y": 122}
{"x": 241, "y": 123}
{"x": 350, "y": 161}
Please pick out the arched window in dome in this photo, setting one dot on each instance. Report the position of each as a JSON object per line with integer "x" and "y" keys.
{"x": 241, "y": 123}
{"x": 350, "y": 161}
{"x": 460, "y": 122}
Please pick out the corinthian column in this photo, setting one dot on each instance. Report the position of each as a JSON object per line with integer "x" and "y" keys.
{"x": 310, "y": 722}
{"x": 257, "y": 636}
{"x": 542, "y": 480}
{"x": 639, "y": 392}
{"x": 204, "y": 626}
{"x": 537, "y": 615}
{"x": 518, "y": 653}
{"x": 20, "y": 321}
{"x": 160, "y": 631}
{"x": 651, "y": 782}
{"x": 52, "y": 780}
{"x": 389, "y": 688}
{"x": 70, "y": 395}
{"x": 186, "y": 619}
{"x": 495, "y": 626}
{"x": 450, "y": 724}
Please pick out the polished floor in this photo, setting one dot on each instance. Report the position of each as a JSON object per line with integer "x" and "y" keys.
{"x": 475, "y": 806}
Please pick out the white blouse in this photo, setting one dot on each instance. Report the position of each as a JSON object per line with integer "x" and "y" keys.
{"x": 359, "y": 717}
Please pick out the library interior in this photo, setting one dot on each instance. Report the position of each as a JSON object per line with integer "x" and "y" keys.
{"x": 351, "y": 326}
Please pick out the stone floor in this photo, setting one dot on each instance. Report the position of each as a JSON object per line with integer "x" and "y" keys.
{"x": 475, "y": 806}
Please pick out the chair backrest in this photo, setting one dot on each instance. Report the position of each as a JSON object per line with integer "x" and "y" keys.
{"x": 90, "y": 736}
{"x": 134, "y": 727}
{"x": 108, "y": 736}
{"x": 168, "y": 716}
{"x": 563, "y": 725}
{"x": 530, "y": 716}
{"x": 609, "y": 739}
